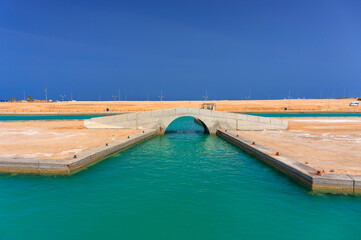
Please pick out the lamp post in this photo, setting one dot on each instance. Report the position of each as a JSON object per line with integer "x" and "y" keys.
{"x": 161, "y": 99}
{"x": 62, "y": 97}
{"x": 249, "y": 97}
{"x": 289, "y": 98}
{"x": 62, "y": 100}
{"x": 46, "y": 93}
{"x": 206, "y": 96}
{"x": 114, "y": 97}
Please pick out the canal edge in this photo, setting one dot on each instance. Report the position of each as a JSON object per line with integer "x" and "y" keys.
{"x": 324, "y": 183}
{"x": 72, "y": 165}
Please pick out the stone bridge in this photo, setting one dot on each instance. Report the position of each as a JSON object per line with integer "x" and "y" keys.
{"x": 210, "y": 119}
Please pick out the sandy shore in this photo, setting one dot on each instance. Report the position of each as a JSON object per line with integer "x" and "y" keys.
{"x": 53, "y": 139}
{"x": 295, "y": 105}
{"x": 327, "y": 144}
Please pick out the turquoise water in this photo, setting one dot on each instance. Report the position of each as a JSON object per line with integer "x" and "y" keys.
{"x": 183, "y": 185}
{"x": 72, "y": 117}
{"x": 339, "y": 114}
{"x": 45, "y": 117}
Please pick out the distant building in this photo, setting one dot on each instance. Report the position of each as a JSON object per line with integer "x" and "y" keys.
{"x": 209, "y": 106}
{"x": 39, "y": 101}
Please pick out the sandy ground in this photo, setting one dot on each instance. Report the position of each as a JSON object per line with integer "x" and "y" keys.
{"x": 53, "y": 139}
{"x": 326, "y": 144}
{"x": 304, "y": 105}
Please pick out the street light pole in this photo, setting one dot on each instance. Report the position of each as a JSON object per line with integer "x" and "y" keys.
{"x": 206, "y": 97}
{"x": 247, "y": 101}
{"x": 46, "y": 93}
{"x": 62, "y": 97}
{"x": 114, "y": 97}
{"x": 289, "y": 98}
{"x": 161, "y": 99}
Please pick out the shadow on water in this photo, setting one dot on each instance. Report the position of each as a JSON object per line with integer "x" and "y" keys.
{"x": 185, "y": 125}
{"x": 186, "y": 128}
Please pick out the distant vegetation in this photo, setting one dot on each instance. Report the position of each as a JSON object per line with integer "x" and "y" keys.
{"x": 359, "y": 99}
{"x": 29, "y": 99}
{"x": 13, "y": 99}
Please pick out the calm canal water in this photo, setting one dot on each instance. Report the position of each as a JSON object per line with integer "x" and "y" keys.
{"x": 45, "y": 117}
{"x": 338, "y": 114}
{"x": 72, "y": 117}
{"x": 183, "y": 185}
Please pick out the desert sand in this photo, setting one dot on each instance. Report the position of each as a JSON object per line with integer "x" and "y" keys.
{"x": 330, "y": 145}
{"x": 78, "y": 107}
{"x": 327, "y": 144}
{"x": 53, "y": 139}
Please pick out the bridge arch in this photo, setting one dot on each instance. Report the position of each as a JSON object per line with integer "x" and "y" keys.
{"x": 196, "y": 120}
{"x": 211, "y": 119}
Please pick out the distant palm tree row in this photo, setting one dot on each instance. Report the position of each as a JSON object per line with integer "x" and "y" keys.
{"x": 29, "y": 99}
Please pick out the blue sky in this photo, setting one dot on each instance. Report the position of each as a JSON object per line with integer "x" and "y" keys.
{"x": 93, "y": 48}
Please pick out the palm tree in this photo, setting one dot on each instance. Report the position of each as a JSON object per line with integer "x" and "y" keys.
{"x": 12, "y": 99}
{"x": 29, "y": 98}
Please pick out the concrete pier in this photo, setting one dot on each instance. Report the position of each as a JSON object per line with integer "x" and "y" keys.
{"x": 316, "y": 181}
{"x": 71, "y": 165}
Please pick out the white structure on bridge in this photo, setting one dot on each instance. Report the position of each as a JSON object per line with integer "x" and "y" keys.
{"x": 210, "y": 119}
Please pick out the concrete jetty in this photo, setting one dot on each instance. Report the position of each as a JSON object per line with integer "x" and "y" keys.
{"x": 73, "y": 164}
{"x": 151, "y": 123}
{"x": 223, "y": 124}
{"x": 313, "y": 179}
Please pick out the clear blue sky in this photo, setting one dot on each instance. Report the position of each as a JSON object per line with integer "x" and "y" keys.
{"x": 183, "y": 47}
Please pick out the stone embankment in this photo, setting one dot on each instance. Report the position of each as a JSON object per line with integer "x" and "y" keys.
{"x": 315, "y": 180}
{"x": 73, "y": 164}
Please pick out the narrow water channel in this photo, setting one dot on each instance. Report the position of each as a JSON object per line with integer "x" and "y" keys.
{"x": 183, "y": 185}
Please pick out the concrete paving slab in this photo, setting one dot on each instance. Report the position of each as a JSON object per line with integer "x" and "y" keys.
{"x": 325, "y": 183}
